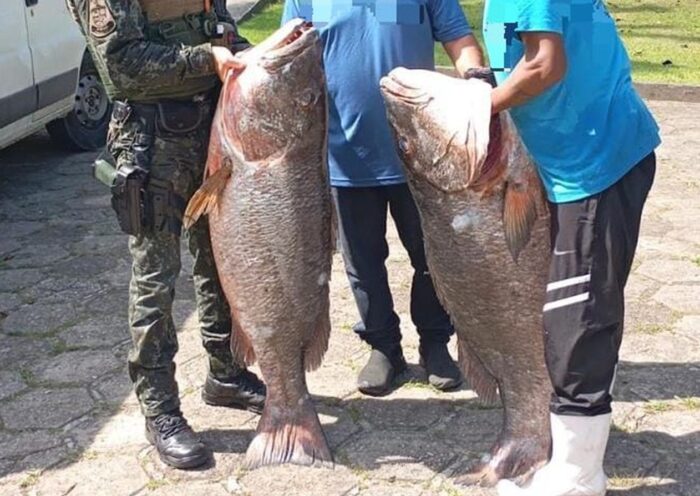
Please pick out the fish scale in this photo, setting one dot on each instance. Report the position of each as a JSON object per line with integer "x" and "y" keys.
{"x": 488, "y": 253}
{"x": 268, "y": 200}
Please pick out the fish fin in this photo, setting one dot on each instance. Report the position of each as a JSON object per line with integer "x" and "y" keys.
{"x": 285, "y": 436}
{"x": 521, "y": 209}
{"x": 317, "y": 345}
{"x": 241, "y": 347}
{"x": 206, "y": 198}
{"x": 480, "y": 379}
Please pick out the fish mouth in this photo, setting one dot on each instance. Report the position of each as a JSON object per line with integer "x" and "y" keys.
{"x": 397, "y": 89}
{"x": 287, "y": 42}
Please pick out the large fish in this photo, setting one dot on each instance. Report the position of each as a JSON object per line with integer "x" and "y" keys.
{"x": 486, "y": 226}
{"x": 268, "y": 200}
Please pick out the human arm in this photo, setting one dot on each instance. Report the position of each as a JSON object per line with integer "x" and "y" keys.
{"x": 116, "y": 32}
{"x": 465, "y": 53}
{"x": 543, "y": 65}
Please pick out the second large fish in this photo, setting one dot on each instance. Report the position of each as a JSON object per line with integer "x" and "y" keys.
{"x": 486, "y": 226}
{"x": 269, "y": 203}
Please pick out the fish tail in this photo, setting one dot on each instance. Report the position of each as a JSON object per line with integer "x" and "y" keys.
{"x": 285, "y": 436}
{"x": 206, "y": 198}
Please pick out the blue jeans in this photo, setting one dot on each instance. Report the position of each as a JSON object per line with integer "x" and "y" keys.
{"x": 362, "y": 217}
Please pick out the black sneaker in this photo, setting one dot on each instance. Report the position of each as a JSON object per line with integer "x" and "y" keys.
{"x": 442, "y": 371}
{"x": 377, "y": 377}
{"x": 244, "y": 391}
{"x": 175, "y": 441}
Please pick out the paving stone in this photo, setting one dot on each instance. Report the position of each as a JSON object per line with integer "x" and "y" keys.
{"x": 299, "y": 480}
{"x": 187, "y": 488}
{"x": 629, "y": 457}
{"x": 33, "y": 256}
{"x": 383, "y": 488}
{"x": 16, "y": 352}
{"x": 20, "y": 229}
{"x": 76, "y": 366}
{"x": 24, "y": 443}
{"x": 690, "y": 325}
{"x": 7, "y": 247}
{"x": 679, "y": 298}
{"x": 45, "y": 408}
{"x": 85, "y": 265}
{"x": 671, "y": 271}
{"x": 38, "y": 318}
{"x": 407, "y": 455}
{"x": 115, "y": 388}
{"x": 10, "y": 383}
{"x": 657, "y": 381}
{"x": 97, "y": 332}
{"x": 410, "y": 407}
{"x": 666, "y": 246}
{"x": 101, "y": 476}
{"x": 12, "y": 280}
{"x": 121, "y": 433}
{"x": 9, "y": 301}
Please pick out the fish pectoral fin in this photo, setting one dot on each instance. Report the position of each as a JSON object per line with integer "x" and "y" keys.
{"x": 480, "y": 379}
{"x": 523, "y": 205}
{"x": 206, "y": 198}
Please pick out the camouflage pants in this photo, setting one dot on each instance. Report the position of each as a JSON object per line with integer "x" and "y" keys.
{"x": 178, "y": 157}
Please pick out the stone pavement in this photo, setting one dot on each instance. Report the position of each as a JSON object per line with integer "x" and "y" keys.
{"x": 69, "y": 424}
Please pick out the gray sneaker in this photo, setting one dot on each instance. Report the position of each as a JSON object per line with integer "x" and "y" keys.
{"x": 377, "y": 377}
{"x": 442, "y": 371}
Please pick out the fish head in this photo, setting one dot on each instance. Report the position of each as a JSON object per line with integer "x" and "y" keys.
{"x": 441, "y": 126}
{"x": 279, "y": 99}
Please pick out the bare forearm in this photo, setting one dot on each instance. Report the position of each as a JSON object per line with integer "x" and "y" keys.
{"x": 542, "y": 66}
{"x": 465, "y": 53}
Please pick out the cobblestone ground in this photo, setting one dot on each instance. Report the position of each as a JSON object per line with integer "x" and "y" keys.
{"x": 70, "y": 424}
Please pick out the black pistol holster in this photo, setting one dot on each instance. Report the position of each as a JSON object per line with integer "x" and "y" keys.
{"x": 143, "y": 203}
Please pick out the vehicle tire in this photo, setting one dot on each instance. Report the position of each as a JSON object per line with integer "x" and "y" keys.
{"x": 85, "y": 127}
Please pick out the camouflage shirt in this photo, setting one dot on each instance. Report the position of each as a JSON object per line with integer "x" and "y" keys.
{"x": 131, "y": 63}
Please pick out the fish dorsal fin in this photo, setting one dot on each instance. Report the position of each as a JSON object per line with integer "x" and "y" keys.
{"x": 524, "y": 200}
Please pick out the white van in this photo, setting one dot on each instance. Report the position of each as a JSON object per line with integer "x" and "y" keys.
{"x": 47, "y": 77}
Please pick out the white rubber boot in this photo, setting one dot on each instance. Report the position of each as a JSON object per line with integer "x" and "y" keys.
{"x": 576, "y": 467}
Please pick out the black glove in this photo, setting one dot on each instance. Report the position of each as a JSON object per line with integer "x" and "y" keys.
{"x": 483, "y": 73}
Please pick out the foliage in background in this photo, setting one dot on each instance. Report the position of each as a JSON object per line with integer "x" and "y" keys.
{"x": 662, "y": 36}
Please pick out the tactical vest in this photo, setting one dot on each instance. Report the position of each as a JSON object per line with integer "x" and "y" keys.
{"x": 178, "y": 22}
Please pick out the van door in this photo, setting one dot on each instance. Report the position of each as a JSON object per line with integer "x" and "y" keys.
{"x": 57, "y": 51}
{"x": 18, "y": 98}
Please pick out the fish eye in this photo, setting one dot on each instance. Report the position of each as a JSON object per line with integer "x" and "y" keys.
{"x": 404, "y": 145}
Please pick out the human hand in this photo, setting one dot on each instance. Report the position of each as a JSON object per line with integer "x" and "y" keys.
{"x": 483, "y": 73}
{"x": 225, "y": 62}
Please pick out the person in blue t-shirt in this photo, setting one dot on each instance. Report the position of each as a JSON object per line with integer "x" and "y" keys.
{"x": 364, "y": 40}
{"x": 564, "y": 75}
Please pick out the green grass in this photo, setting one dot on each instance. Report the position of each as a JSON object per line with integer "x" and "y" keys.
{"x": 654, "y": 31}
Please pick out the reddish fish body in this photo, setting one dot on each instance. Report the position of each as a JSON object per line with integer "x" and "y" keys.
{"x": 270, "y": 222}
{"x": 486, "y": 226}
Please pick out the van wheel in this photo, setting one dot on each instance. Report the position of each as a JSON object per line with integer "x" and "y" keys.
{"x": 85, "y": 127}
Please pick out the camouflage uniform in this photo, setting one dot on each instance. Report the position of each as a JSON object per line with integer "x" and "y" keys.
{"x": 140, "y": 67}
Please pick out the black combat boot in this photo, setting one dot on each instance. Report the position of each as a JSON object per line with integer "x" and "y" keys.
{"x": 377, "y": 377}
{"x": 244, "y": 391}
{"x": 442, "y": 371}
{"x": 175, "y": 441}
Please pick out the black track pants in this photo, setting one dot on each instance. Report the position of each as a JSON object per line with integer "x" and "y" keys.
{"x": 594, "y": 241}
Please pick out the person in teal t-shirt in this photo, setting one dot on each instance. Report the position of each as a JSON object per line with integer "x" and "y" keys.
{"x": 564, "y": 75}
{"x": 363, "y": 41}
